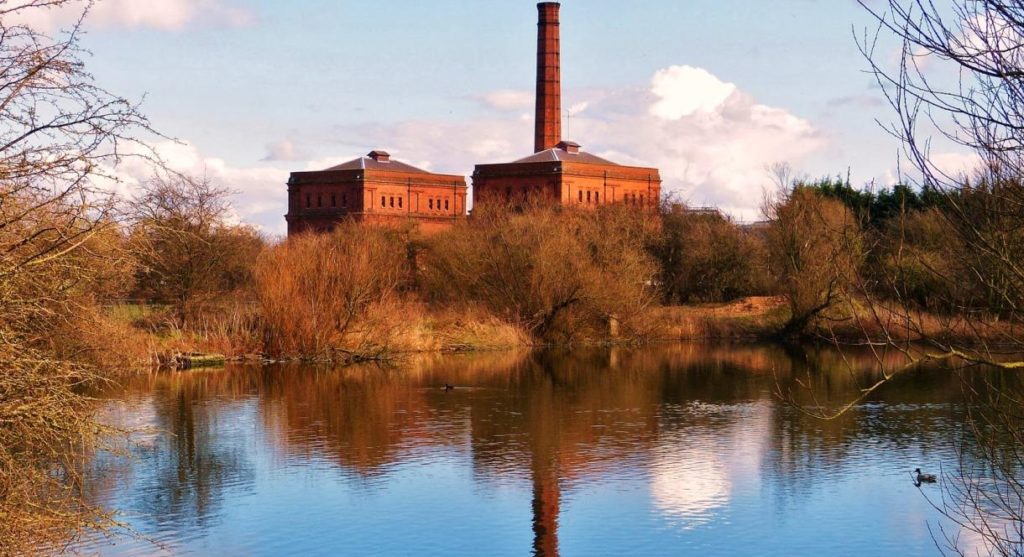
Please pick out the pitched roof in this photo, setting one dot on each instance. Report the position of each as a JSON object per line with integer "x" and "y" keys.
{"x": 367, "y": 163}
{"x": 556, "y": 154}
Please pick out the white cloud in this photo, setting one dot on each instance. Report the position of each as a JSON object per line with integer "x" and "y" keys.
{"x": 260, "y": 194}
{"x": 281, "y": 151}
{"x": 711, "y": 141}
{"x": 165, "y": 15}
{"x": 712, "y": 150}
{"x": 684, "y": 90}
{"x": 955, "y": 164}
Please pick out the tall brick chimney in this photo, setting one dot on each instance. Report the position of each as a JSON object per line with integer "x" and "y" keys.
{"x": 549, "y": 79}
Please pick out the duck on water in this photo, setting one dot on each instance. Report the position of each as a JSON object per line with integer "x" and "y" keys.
{"x": 920, "y": 478}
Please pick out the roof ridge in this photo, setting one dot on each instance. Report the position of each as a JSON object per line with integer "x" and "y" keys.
{"x": 367, "y": 163}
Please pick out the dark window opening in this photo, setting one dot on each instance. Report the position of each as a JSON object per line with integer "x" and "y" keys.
{"x": 392, "y": 202}
{"x": 334, "y": 200}
{"x": 446, "y": 204}
{"x": 430, "y": 203}
{"x": 309, "y": 200}
{"x": 588, "y": 197}
{"x": 319, "y": 200}
{"x": 344, "y": 200}
{"x": 597, "y": 197}
{"x": 383, "y": 202}
{"x": 399, "y": 202}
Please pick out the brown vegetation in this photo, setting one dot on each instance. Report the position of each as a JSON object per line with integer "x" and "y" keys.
{"x": 58, "y": 131}
{"x": 186, "y": 254}
{"x": 560, "y": 275}
{"x": 322, "y": 294}
{"x": 705, "y": 257}
{"x": 815, "y": 251}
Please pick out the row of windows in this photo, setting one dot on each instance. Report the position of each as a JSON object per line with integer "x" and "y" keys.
{"x": 432, "y": 203}
{"x": 631, "y": 199}
{"x": 582, "y": 196}
{"x": 390, "y": 202}
{"x": 320, "y": 200}
{"x": 595, "y": 197}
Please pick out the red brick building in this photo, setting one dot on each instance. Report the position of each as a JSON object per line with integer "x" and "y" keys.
{"x": 568, "y": 176}
{"x": 558, "y": 170}
{"x": 374, "y": 189}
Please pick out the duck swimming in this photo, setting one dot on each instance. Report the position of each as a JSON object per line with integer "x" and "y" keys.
{"x": 923, "y": 478}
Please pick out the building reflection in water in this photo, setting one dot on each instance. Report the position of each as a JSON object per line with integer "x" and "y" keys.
{"x": 693, "y": 421}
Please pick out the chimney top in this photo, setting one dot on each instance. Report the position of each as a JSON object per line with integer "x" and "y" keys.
{"x": 380, "y": 156}
{"x": 569, "y": 146}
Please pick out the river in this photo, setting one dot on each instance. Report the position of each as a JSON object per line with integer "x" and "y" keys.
{"x": 681, "y": 449}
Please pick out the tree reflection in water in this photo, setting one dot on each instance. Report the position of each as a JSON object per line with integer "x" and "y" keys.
{"x": 692, "y": 421}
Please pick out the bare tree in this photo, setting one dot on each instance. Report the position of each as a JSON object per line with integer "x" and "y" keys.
{"x": 189, "y": 252}
{"x": 558, "y": 274}
{"x": 969, "y": 94}
{"x": 60, "y": 136}
{"x": 814, "y": 247}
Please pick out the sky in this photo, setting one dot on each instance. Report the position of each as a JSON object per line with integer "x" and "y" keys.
{"x": 711, "y": 92}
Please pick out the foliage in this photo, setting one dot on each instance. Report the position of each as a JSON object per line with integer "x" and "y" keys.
{"x": 876, "y": 209}
{"x": 60, "y": 135}
{"x": 316, "y": 292}
{"x": 705, "y": 257}
{"x": 187, "y": 252}
{"x": 815, "y": 248}
{"x": 561, "y": 275}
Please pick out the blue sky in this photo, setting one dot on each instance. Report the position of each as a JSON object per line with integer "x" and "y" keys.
{"x": 709, "y": 91}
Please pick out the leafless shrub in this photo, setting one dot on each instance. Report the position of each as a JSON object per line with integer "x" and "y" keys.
{"x": 705, "y": 257}
{"x": 316, "y": 291}
{"x": 815, "y": 251}
{"x": 60, "y": 135}
{"x": 188, "y": 253}
{"x": 560, "y": 274}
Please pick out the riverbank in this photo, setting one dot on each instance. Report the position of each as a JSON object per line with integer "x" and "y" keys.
{"x": 141, "y": 336}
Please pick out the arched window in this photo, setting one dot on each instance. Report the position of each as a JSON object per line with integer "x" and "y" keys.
{"x": 597, "y": 197}
{"x": 391, "y": 202}
{"x": 399, "y": 202}
{"x": 446, "y": 204}
{"x": 383, "y": 202}
{"x": 344, "y": 200}
{"x": 581, "y": 195}
{"x": 430, "y": 203}
{"x": 588, "y": 197}
{"x": 319, "y": 200}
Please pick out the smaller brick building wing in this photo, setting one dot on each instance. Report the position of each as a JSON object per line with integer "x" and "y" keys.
{"x": 374, "y": 189}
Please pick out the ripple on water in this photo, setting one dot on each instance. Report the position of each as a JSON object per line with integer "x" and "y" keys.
{"x": 673, "y": 456}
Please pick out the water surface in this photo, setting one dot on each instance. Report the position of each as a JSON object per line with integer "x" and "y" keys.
{"x": 670, "y": 450}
